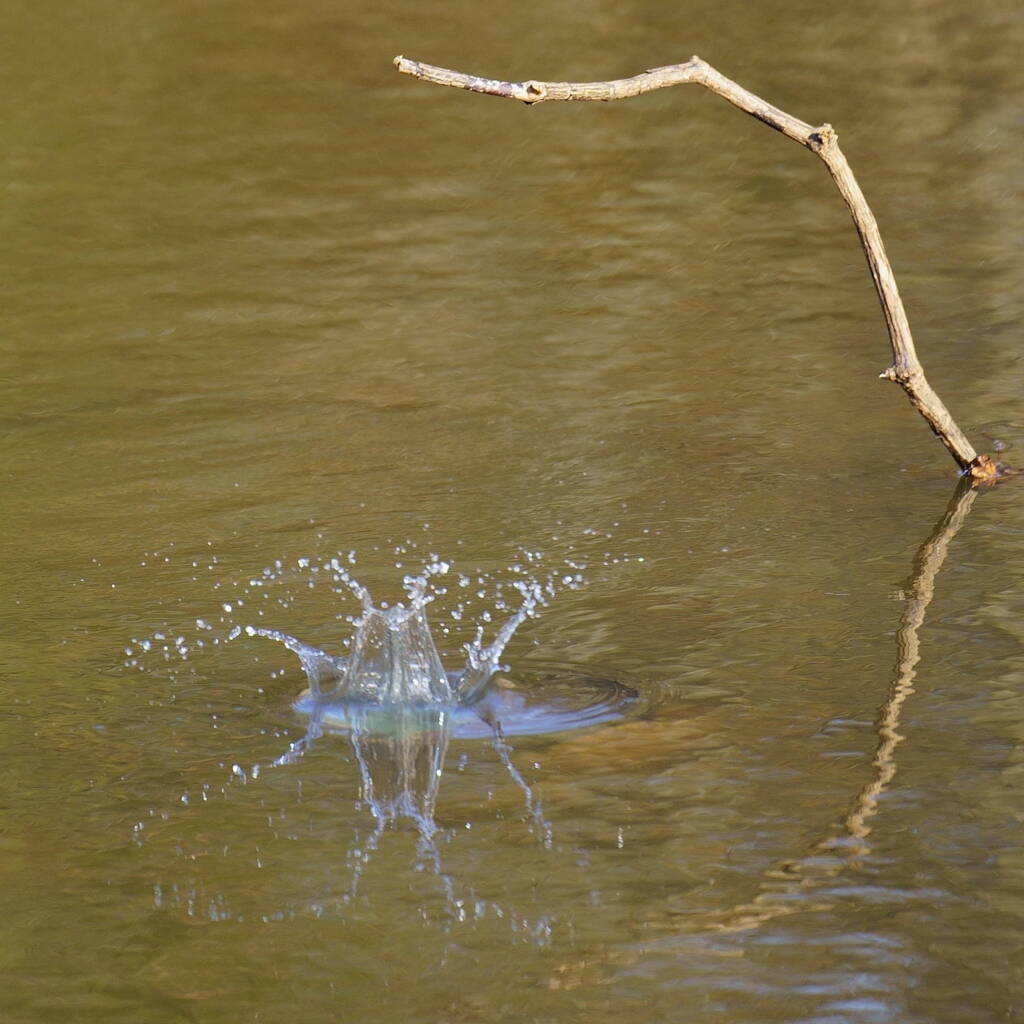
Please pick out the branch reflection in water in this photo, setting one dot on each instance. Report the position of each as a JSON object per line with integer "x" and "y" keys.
{"x": 835, "y": 853}
{"x": 787, "y": 887}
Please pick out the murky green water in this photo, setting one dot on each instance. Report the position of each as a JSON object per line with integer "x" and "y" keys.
{"x": 265, "y": 299}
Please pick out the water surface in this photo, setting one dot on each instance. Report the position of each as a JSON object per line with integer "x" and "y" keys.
{"x": 267, "y": 300}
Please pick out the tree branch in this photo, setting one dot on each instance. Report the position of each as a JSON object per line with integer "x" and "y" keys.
{"x": 906, "y": 369}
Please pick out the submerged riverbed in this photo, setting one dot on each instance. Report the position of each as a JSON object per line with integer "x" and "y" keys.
{"x": 268, "y": 303}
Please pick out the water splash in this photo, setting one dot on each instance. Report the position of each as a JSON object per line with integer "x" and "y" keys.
{"x": 398, "y": 703}
{"x": 386, "y": 686}
{"x": 394, "y": 659}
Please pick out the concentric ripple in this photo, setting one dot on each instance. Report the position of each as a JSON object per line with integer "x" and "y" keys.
{"x": 555, "y": 701}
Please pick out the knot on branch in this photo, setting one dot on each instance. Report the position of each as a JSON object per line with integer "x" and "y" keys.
{"x": 701, "y": 68}
{"x": 536, "y": 92}
{"x": 905, "y": 376}
{"x": 822, "y": 138}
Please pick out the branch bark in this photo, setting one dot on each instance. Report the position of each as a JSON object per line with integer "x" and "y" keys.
{"x": 906, "y": 369}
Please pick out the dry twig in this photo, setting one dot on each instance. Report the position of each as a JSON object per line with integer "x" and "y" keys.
{"x": 822, "y": 140}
